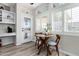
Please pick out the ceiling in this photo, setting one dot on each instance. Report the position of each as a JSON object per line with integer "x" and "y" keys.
{"x": 25, "y": 4}
{"x": 34, "y": 5}
{"x": 28, "y": 5}
{"x": 9, "y": 4}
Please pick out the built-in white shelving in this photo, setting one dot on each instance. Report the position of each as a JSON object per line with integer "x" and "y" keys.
{"x": 7, "y": 17}
{"x": 7, "y": 34}
{"x": 7, "y": 23}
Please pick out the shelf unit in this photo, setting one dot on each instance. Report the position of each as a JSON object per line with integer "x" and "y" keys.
{"x": 7, "y": 23}
{"x": 7, "y": 18}
{"x": 7, "y": 34}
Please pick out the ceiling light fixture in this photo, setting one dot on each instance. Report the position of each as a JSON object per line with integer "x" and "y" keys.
{"x": 31, "y": 3}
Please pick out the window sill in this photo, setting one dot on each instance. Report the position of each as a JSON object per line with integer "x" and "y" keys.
{"x": 67, "y": 33}
{"x": 71, "y": 34}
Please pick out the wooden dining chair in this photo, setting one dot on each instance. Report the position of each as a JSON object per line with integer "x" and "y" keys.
{"x": 54, "y": 44}
{"x": 38, "y": 41}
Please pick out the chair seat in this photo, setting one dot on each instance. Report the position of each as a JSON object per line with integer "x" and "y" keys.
{"x": 52, "y": 43}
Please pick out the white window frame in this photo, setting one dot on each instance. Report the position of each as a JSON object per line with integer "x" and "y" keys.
{"x": 63, "y": 9}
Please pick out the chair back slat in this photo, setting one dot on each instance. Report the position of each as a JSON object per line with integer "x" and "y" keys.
{"x": 37, "y": 36}
{"x": 57, "y": 38}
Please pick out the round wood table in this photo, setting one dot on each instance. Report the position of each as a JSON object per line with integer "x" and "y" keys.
{"x": 44, "y": 39}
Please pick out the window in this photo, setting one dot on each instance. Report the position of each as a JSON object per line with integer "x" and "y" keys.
{"x": 44, "y": 22}
{"x": 57, "y": 21}
{"x": 67, "y": 20}
{"x": 38, "y": 25}
{"x": 41, "y": 23}
{"x": 71, "y": 20}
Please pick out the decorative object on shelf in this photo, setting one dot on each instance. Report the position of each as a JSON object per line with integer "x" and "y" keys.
{"x": 0, "y": 43}
{"x": 9, "y": 29}
{"x": 8, "y": 16}
{"x": 1, "y": 7}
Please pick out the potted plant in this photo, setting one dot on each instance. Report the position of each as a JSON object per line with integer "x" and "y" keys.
{"x": 48, "y": 28}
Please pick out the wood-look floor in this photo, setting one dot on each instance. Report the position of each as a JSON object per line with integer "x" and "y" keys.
{"x": 27, "y": 49}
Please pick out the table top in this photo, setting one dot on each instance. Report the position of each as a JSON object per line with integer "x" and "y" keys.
{"x": 43, "y": 35}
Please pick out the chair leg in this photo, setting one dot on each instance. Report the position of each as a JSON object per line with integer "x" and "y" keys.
{"x": 39, "y": 50}
{"x": 37, "y": 44}
{"x": 57, "y": 50}
{"x": 48, "y": 51}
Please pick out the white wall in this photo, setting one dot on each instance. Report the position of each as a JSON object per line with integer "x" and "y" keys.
{"x": 70, "y": 44}
{"x": 33, "y": 25}
{"x": 13, "y": 8}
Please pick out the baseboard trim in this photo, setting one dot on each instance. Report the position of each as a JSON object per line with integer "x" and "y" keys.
{"x": 67, "y": 53}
